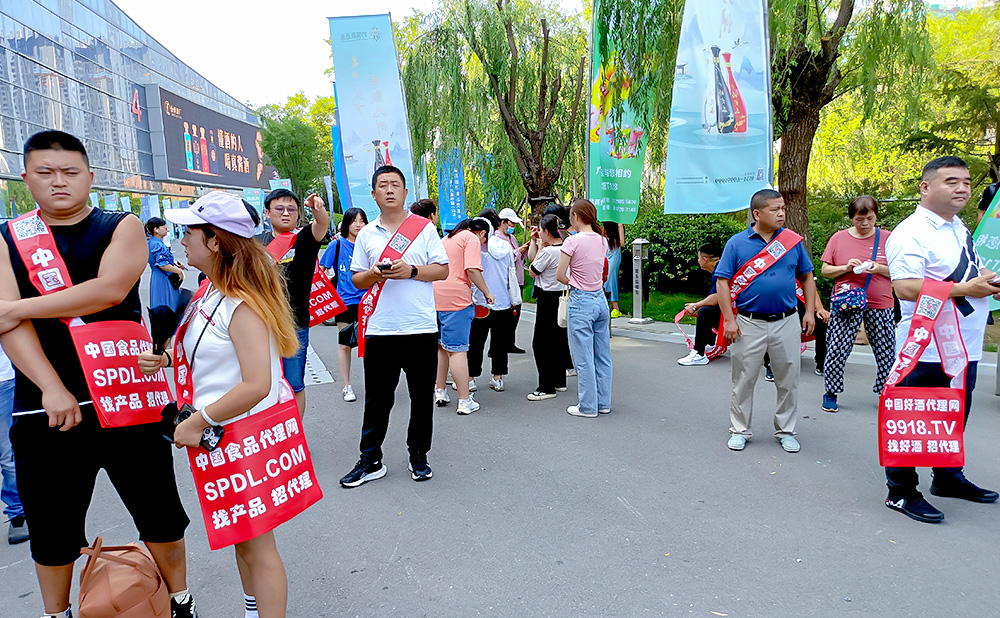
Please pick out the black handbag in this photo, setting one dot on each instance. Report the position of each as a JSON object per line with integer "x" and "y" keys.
{"x": 348, "y": 335}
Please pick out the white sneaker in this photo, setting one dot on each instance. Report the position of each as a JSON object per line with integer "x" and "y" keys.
{"x": 349, "y": 394}
{"x": 441, "y": 398}
{"x": 496, "y": 384}
{"x": 570, "y": 373}
{"x": 692, "y": 359}
{"x": 467, "y": 406}
{"x": 472, "y": 385}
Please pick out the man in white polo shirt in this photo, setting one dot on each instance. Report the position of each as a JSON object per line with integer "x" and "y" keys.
{"x": 401, "y": 333}
{"x": 933, "y": 243}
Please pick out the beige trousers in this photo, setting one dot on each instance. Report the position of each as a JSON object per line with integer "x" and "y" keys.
{"x": 782, "y": 340}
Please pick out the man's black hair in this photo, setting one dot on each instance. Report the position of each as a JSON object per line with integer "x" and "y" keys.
{"x": 387, "y": 169}
{"x": 711, "y": 248}
{"x": 424, "y": 208}
{"x": 54, "y": 140}
{"x": 273, "y": 195}
{"x": 940, "y": 162}
{"x": 762, "y": 197}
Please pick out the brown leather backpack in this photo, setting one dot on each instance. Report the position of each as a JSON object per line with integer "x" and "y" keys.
{"x": 122, "y": 582}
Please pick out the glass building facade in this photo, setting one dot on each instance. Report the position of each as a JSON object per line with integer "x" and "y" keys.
{"x": 83, "y": 67}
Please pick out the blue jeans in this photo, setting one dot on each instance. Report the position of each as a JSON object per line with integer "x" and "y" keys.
{"x": 294, "y": 367}
{"x": 8, "y": 493}
{"x": 614, "y": 263}
{"x": 588, "y": 324}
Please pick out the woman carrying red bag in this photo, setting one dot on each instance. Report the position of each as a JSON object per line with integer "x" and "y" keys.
{"x": 243, "y": 313}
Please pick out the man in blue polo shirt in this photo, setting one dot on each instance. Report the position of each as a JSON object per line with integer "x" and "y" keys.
{"x": 766, "y": 320}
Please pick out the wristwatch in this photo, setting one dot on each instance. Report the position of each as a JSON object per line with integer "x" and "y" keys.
{"x": 413, "y": 272}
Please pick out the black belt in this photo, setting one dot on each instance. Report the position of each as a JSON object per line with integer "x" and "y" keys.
{"x": 769, "y": 317}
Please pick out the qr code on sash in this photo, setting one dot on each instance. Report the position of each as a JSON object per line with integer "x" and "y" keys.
{"x": 28, "y": 228}
{"x": 399, "y": 243}
{"x": 776, "y": 249}
{"x": 929, "y": 307}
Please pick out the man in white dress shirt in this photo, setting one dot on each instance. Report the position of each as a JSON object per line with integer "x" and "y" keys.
{"x": 933, "y": 243}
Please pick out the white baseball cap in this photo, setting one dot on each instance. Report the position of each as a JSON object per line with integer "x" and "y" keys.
{"x": 225, "y": 211}
{"x": 508, "y": 214}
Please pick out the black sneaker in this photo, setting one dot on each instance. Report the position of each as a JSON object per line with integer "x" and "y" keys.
{"x": 768, "y": 374}
{"x": 915, "y": 507}
{"x": 363, "y": 472}
{"x": 18, "y": 532}
{"x": 963, "y": 488}
{"x": 183, "y": 607}
{"x": 419, "y": 468}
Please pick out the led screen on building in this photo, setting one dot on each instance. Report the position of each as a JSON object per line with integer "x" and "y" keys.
{"x": 202, "y": 145}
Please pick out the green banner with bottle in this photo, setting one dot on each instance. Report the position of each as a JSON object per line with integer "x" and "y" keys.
{"x": 987, "y": 240}
{"x": 616, "y": 149}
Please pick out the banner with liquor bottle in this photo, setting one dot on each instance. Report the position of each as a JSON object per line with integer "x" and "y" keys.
{"x": 192, "y": 142}
{"x": 616, "y": 151}
{"x": 339, "y": 169}
{"x": 374, "y": 129}
{"x": 451, "y": 188}
{"x": 719, "y": 145}
{"x": 987, "y": 239}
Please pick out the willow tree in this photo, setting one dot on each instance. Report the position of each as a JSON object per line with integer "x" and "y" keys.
{"x": 822, "y": 50}
{"x": 503, "y": 82}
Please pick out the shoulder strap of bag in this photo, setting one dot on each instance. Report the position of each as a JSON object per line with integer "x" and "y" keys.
{"x": 868, "y": 279}
{"x": 336, "y": 264}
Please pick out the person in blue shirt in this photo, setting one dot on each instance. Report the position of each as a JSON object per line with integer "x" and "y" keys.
{"x": 164, "y": 295}
{"x": 337, "y": 261}
{"x": 765, "y": 320}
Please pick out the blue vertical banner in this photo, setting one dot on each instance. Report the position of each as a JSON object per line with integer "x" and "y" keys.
{"x": 719, "y": 146}
{"x": 126, "y": 203}
{"x": 451, "y": 188}
{"x": 374, "y": 129}
{"x": 95, "y": 200}
{"x": 339, "y": 168}
{"x": 255, "y": 197}
{"x": 144, "y": 209}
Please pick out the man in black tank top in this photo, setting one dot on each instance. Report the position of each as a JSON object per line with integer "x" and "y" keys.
{"x": 59, "y": 443}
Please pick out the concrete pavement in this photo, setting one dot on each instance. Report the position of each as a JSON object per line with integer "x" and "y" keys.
{"x": 644, "y": 512}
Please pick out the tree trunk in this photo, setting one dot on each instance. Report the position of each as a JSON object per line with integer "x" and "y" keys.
{"x": 793, "y": 169}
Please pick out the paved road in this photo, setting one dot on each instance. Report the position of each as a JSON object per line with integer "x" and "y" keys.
{"x": 645, "y": 512}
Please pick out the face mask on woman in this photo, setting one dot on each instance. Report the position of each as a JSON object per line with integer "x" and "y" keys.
{"x": 509, "y": 230}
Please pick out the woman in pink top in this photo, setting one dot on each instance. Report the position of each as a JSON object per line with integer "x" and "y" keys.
{"x": 845, "y": 251}
{"x": 584, "y": 267}
{"x": 453, "y": 301}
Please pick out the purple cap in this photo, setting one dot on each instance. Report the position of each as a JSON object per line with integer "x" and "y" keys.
{"x": 225, "y": 211}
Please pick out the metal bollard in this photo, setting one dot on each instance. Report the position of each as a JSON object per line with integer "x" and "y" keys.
{"x": 640, "y": 252}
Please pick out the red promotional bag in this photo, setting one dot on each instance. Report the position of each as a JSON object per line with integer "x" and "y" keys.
{"x": 923, "y": 426}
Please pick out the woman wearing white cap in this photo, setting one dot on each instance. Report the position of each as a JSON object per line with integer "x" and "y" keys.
{"x": 244, "y": 314}
{"x": 508, "y": 223}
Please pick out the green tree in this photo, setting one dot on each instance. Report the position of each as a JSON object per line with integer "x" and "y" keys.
{"x": 962, "y": 105}
{"x": 293, "y": 146}
{"x": 503, "y": 82}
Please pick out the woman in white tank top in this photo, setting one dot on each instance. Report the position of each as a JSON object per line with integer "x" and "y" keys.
{"x": 234, "y": 340}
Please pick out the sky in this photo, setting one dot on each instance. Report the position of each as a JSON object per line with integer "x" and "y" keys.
{"x": 262, "y": 52}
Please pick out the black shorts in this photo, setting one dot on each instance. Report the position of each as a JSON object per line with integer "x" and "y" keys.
{"x": 348, "y": 316}
{"x": 57, "y": 471}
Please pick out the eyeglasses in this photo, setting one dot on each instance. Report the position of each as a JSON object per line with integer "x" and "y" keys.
{"x": 283, "y": 209}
